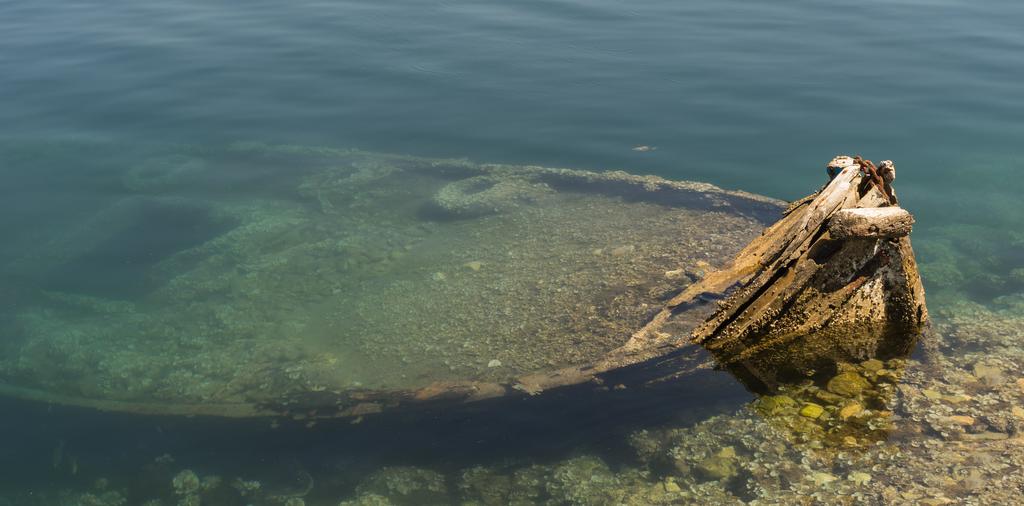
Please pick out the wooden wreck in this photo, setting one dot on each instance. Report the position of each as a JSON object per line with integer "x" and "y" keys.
{"x": 833, "y": 280}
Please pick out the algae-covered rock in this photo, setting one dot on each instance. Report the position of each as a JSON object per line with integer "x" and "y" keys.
{"x": 821, "y": 478}
{"x": 483, "y": 195}
{"x": 647, "y": 444}
{"x": 829, "y": 397}
{"x": 811, "y": 410}
{"x": 110, "y": 498}
{"x": 850, "y": 410}
{"x": 528, "y": 485}
{"x": 484, "y": 486}
{"x": 186, "y": 482}
{"x": 771, "y": 404}
{"x": 848, "y": 384}
{"x": 584, "y": 480}
{"x": 872, "y": 365}
{"x": 721, "y": 466}
{"x": 819, "y": 417}
{"x": 406, "y": 486}
{"x": 367, "y": 500}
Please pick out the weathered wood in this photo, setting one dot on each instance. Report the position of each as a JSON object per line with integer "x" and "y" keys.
{"x": 872, "y": 222}
{"x": 834, "y": 280}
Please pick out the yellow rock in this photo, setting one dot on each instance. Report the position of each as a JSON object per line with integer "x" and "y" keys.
{"x": 671, "y": 487}
{"x": 1017, "y": 411}
{"x": 859, "y": 478}
{"x": 820, "y": 479}
{"x": 848, "y": 384}
{"x": 931, "y": 394}
{"x": 675, "y": 274}
{"x": 850, "y": 410}
{"x": 935, "y": 501}
{"x": 811, "y": 410}
{"x": 962, "y": 420}
{"x": 718, "y": 468}
{"x": 474, "y": 266}
{"x": 728, "y": 452}
{"x": 956, "y": 399}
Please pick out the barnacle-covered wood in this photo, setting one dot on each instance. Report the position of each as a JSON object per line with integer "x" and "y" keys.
{"x": 801, "y": 298}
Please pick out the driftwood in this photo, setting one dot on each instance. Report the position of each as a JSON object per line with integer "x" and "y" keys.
{"x": 834, "y": 280}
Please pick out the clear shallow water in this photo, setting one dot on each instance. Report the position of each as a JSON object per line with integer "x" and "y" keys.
{"x": 748, "y": 97}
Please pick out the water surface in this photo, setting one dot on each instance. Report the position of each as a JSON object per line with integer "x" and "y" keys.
{"x": 750, "y": 97}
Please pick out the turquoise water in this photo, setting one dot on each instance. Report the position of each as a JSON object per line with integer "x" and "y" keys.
{"x": 748, "y": 97}
{"x": 732, "y": 94}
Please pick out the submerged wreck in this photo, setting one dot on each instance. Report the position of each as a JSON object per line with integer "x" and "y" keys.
{"x": 373, "y": 282}
{"x": 835, "y": 280}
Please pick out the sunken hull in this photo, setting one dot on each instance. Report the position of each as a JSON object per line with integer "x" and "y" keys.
{"x": 348, "y": 283}
{"x": 833, "y": 281}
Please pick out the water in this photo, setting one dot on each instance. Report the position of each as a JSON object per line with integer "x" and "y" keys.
{"x": 746, "y": 97}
